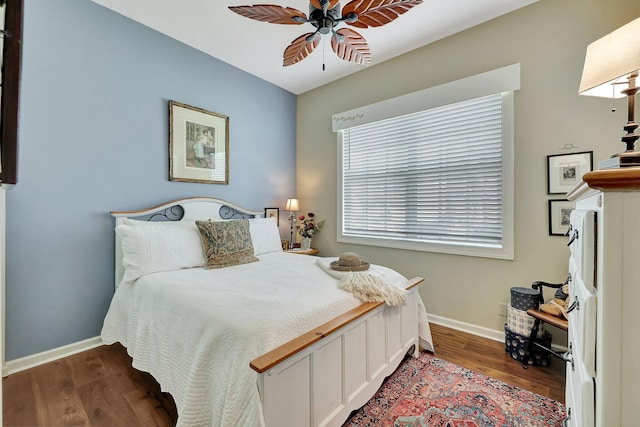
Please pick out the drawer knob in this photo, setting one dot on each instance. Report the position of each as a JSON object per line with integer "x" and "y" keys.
{"x": 567, "y": 356}
{"x": 566, "y": 234}
{"x": 565, "y": 422}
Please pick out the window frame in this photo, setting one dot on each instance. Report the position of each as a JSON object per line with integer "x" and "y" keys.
{"x": 503, "y": 251}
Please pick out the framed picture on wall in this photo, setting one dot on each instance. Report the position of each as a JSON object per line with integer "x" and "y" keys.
{"x": 198, "y": 145}
{"x": 559, "y": 216}
{"x": 564, "y": 171}
{"x": 273, "y": 213}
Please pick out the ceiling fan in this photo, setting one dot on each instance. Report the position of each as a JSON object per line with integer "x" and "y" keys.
{"x": 325, "y": 16}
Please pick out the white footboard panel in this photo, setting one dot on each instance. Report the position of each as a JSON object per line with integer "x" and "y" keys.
{"x": 322, "y": 384}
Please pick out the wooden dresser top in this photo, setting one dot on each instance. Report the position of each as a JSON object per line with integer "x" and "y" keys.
{"x": 623, "y": 179}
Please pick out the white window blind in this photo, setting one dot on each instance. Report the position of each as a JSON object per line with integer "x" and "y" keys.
{"x": 434, "y": 176}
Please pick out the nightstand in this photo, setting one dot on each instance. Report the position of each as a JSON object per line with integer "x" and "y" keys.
{"x": 299, "y": 251}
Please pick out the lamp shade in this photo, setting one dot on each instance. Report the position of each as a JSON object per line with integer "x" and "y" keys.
{"x": 292, "y": 205}
{"x": 610, "y": 59}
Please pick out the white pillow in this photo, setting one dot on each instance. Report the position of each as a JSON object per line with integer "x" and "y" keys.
{"x": 265, "y": 235}
{"x": 150, "y": 247}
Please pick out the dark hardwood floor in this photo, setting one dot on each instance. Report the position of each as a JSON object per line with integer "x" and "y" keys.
{"x": 100, "y": 388}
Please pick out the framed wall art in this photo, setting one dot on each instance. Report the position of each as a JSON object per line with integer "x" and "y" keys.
{"x": 559, "y": 216}
{"x": 273, "y": 213}
{"x": 564, "y": 171}
{"x": 198, "y": 145}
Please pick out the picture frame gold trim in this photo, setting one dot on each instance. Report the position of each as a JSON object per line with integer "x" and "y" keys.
{"x": 198, "y": 145}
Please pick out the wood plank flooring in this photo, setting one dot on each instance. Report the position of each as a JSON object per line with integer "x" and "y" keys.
{"x": 100, "y": 388}
{"x": 488, "y": 356}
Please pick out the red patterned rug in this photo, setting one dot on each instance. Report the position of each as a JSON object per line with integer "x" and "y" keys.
{"x": 428, "y": 391}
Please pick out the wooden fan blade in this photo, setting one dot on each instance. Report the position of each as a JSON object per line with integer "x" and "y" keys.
{"x": 270, "y": 13}
{"x": 352, "y": 48}
{"x": 317, "y": 5}
{"x": 375, "y": 13}
{"x": 299, "y": 49}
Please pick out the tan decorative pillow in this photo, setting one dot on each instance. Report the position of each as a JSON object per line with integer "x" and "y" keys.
{"x": 226, "y": 243}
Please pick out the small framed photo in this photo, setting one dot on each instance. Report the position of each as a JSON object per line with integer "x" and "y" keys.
{"x": 559, "y": 216}
{"x": 273, "y": 213}
{"x": 285, "y": 245}
{"x": 564, "y": 171}
{"x": 198, "y": 145}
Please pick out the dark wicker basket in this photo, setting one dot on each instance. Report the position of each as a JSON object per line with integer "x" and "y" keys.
{"x": 516, "y": 344}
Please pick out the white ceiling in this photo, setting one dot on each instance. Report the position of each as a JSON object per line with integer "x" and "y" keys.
{"x": 257, "y": 47}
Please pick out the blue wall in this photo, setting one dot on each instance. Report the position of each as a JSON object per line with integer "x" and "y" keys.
{"x": 94, "y": 138}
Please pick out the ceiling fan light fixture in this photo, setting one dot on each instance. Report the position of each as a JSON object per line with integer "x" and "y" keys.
{"x": 311, "y": 37}
{"x": 350, "y": 18}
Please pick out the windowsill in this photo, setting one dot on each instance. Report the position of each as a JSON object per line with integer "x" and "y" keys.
{"x": 487, "y": 251}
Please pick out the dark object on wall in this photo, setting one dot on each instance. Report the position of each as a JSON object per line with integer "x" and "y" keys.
{"x": 559, "y": 217}
{"x": 564, "y": 171}
{"x": 11, "y": 56}
{"x": 273, "y": 213}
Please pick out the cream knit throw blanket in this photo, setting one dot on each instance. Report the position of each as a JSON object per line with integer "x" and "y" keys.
{"x": 367, "y": 286}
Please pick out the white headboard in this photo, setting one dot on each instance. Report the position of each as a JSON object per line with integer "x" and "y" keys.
{"x": 189, "y": 209}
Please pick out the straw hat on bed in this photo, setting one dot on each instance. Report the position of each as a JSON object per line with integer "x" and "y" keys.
{"x": 349, "y": 261}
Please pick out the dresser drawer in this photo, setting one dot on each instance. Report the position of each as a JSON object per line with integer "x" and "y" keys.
{"x": 579, "y": 399}
{"x": 582, "y": 238}
{"x": 582, "y": 320}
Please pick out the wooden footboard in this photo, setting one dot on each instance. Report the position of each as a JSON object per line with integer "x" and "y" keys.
{"x": 318, "y": 378}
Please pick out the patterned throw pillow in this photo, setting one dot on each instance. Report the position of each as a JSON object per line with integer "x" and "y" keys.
{"x": 226, "y": 243}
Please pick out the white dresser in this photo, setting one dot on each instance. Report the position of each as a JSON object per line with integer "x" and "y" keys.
{"x": 603, "y": 374}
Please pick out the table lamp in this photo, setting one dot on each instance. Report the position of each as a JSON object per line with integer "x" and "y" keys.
{"x": 610, "y": 70}
{"x": 292, "y": 206}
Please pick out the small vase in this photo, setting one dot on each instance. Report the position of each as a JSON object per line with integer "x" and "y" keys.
{"x": 306, "y": 243}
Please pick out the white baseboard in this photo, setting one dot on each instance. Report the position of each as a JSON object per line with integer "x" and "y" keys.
{"x": 467, "y": 327}
{"x": 478, "y": 330}
{"x": 17, "y": 365}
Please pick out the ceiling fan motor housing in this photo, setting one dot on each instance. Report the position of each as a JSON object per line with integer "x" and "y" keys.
{"x": 324, "y": 23}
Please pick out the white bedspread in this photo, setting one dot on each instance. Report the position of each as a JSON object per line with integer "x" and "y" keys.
{"x": 196, "y": 330}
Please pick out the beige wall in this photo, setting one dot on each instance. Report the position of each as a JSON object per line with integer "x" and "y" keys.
{"x": 548, "y": 39}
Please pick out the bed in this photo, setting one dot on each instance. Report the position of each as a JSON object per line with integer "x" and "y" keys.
{"x": 273, "y": 341}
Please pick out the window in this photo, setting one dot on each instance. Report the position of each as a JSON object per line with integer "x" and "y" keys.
{"x": 437, "y": 179}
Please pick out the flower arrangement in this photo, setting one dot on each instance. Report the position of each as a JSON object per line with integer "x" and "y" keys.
{"x": 308, "y": 226}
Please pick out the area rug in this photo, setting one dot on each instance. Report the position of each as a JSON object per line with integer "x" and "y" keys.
{"x": 427, "y": 391}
